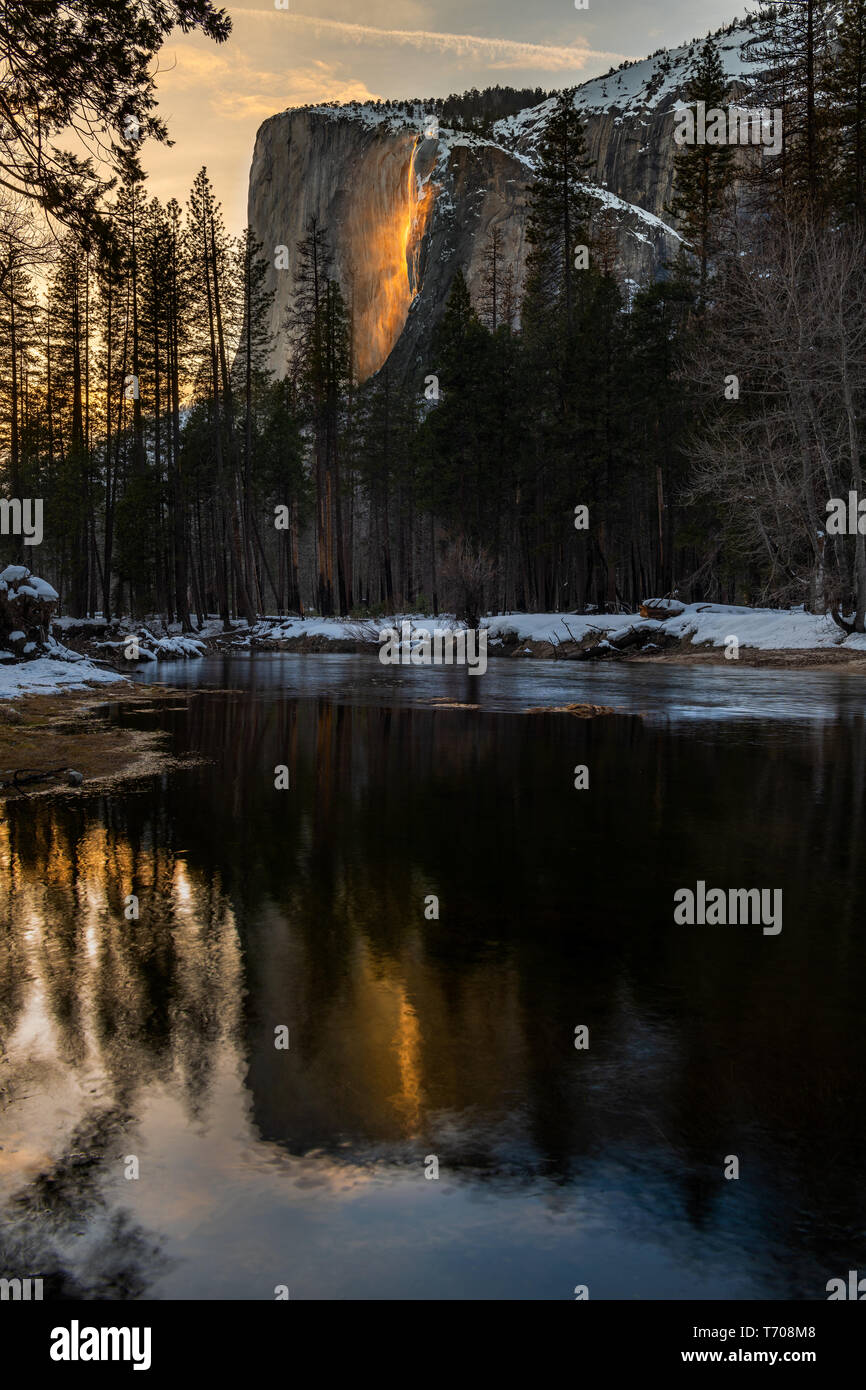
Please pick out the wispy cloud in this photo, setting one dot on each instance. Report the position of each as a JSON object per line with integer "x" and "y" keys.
{"x": 497, "y": 53}
{"x": 238, "y": 90}
{"x": 297, "y": 87}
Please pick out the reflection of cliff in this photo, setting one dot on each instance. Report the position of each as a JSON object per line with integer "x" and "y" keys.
{"x": 454, "y": 1036}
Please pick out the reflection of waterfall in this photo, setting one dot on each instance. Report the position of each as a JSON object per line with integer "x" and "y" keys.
{"x": 411, "y": 1036}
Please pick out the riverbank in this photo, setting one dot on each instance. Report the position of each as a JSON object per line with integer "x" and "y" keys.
{"x": 65, "y": 740}
{"x": 700, "y": 633}
{"x": 91, "y": 662}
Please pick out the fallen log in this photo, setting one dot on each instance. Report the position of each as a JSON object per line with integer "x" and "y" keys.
{"x": 23, "y": 776}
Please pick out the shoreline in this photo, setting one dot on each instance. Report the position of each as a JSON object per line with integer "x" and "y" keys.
{"x": 780, "y": 659}
{"x": 687, "y": 635}
{"x": 70, "y": 730}
{"x": 686, "y": 654}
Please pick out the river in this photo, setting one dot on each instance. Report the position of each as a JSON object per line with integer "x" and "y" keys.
{"x": 155, "y": 1142}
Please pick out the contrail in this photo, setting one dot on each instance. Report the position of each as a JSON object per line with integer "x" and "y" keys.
{"x": 507, "y": 53}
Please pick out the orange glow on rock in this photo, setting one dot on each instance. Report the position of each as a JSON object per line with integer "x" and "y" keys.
{"x": 387, "y": 262}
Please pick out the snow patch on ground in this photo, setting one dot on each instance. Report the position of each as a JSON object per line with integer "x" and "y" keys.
{"x": 48, "y": 675}
{"x": 152, "y": 648}
{"x": 768, "y": 629}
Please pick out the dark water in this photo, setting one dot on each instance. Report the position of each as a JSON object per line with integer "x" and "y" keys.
{"x": 452, "y": 1038}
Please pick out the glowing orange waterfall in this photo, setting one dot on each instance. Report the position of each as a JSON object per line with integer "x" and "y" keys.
{"x": 386, "y": 255}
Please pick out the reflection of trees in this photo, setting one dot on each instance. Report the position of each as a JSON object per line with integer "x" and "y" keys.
{"x": 305, "y": 907}
{"x": 65, "y": 1203}
{"x": 106, "y": 1008}
{"x": 142, "y": 999}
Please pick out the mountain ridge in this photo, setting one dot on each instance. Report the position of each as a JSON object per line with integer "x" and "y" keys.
{"x": 346, "y": 165}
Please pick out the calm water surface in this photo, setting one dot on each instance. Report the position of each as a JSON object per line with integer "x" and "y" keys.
{"x": 452, "y": 1038}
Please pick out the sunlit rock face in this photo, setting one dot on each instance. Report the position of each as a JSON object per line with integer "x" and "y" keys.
{"x": 406, "y": 206}
{"x": 405, "y": 209}
{"x": 369, "y": 193}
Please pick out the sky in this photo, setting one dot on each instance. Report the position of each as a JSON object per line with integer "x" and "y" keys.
{"x": 214, "y": 98}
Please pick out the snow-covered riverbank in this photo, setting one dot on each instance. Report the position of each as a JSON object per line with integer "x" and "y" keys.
{"x": 700, "y": 631}
{"x": 49, "y": 675}
{"x": 697, "y": 626}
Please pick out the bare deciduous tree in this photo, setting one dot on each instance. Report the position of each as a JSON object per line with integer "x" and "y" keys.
{"x": 789, "y": 323}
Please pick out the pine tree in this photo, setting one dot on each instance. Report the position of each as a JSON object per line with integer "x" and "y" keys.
{"x": 320, "y": 325}
{"x": 453, "y": 429}
{"x": 284, "y": 480}
{"x": 110, "y": 367}
{"x": 85, "y": 66}
{"x": 703, "y": 173}
{"x": 847, "y": 92}
{"x": 71, "y": 522}
{"x": 18, "y": 319}
{"x": 794, "y": 46}
{"x": 250, "y": 373}
{"x": 492, "y": 280}
{"x": 558, "y": 204}
{"x": 209, "y": 253}
{"x": 176, "y": 287}
{"x": 658, "y": 329}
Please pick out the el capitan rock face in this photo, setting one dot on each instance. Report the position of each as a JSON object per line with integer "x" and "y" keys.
{"x": 405, "y": 208}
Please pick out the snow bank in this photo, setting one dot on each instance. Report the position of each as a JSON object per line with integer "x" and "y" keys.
{"x": 140, "y": 644}
{"x": 26, "y": 605}
{"x": 47, "y": 675}
{"x": 770, "y": 629}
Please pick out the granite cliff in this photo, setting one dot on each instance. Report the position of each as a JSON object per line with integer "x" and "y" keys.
{"x": 405, "y": 202}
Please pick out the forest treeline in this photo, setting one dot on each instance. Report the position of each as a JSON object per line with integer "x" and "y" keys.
{"x": 583, "y": 443}
{"x": 473, "y": 110}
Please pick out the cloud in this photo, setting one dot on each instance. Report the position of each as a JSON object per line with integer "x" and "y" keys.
{"x": 496, "y": 53}
{"x": 296, "y": 87}
{"x": 187, "y": 67}
{"x": 237, "y": 90}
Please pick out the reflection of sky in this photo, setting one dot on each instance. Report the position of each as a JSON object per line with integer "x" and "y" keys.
{"x": 306, "y": 1167}
{"x": 340, "y": 1229}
